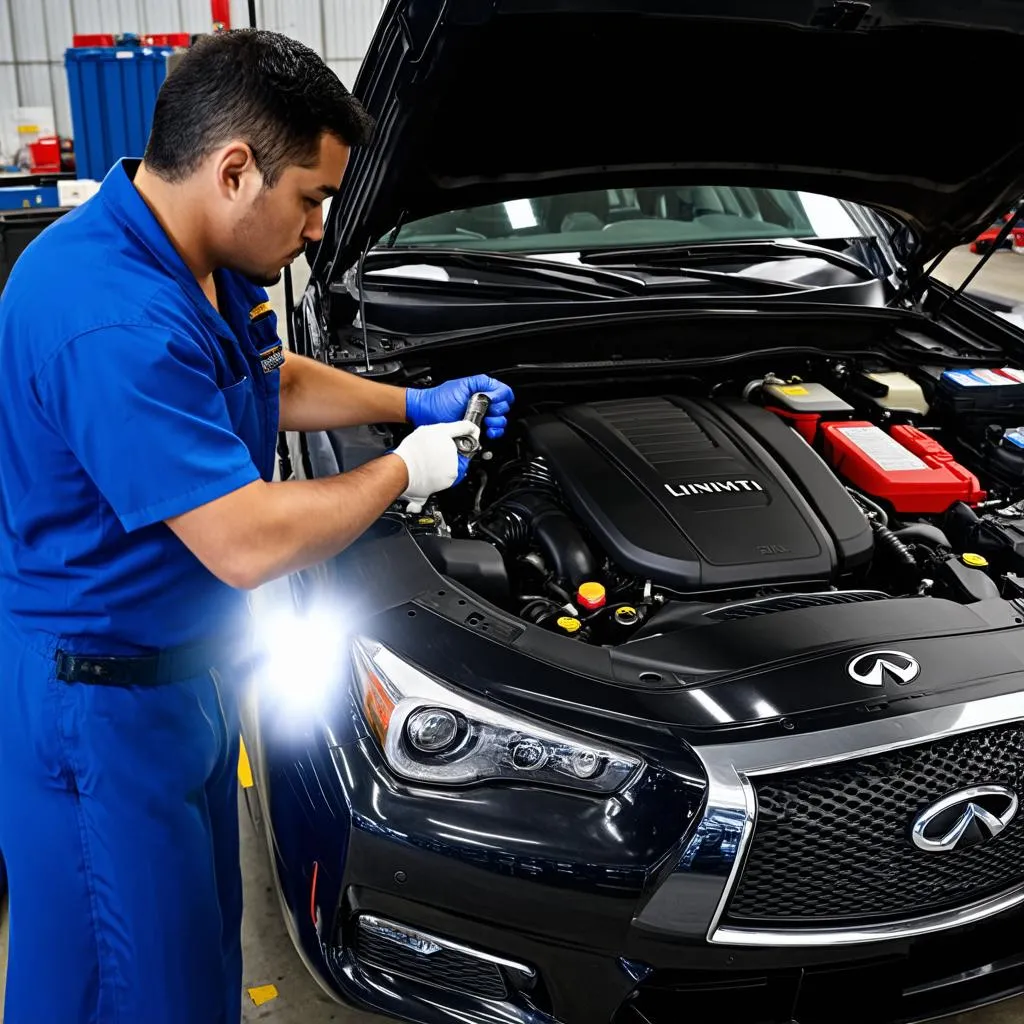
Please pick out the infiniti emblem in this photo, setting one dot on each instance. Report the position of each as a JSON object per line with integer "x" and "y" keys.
{"x": 873, "y": 668}
{"x": 965, "y": 819}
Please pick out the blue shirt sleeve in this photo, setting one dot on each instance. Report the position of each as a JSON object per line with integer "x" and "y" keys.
{"x": 141, "y": 410}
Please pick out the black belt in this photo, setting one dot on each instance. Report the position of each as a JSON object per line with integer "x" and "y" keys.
{"x": 168, "y": 666}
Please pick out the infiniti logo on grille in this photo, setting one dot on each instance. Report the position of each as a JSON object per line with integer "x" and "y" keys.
{"x": 873, "y": 668}
{"x": 965, "y": 819}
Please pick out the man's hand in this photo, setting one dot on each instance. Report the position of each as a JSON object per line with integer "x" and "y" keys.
{"x": 448, "y": 402}
{"x": 433, "y": 461}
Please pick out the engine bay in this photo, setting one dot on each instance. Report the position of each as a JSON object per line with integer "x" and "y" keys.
{"x": 629, "y": 512}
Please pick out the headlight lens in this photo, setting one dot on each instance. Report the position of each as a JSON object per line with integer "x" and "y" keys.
{"x": 431, "y": 734}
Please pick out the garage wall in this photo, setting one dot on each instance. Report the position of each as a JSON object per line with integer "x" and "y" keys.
{"x": 35, "y": 33}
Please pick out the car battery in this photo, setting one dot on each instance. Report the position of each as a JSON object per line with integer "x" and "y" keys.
{"x": 906, "y": 468}
{"x": 995, "y": 394}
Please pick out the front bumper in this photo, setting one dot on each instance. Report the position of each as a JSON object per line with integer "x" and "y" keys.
{"x": 919, "y": 980}
{"x": 618, "y": 910}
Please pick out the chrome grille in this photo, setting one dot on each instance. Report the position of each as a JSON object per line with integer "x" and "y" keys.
{"x": 832, "y": 844}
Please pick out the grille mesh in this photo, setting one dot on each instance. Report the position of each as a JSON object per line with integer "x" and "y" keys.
{"x": 834, "y": 842}
{"x": 446, "y": 968}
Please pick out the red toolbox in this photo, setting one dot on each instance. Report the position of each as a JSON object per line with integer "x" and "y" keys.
{"x": 45, "y": 154}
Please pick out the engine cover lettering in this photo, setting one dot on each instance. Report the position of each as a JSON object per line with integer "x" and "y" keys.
{"x": 712, "y": 487}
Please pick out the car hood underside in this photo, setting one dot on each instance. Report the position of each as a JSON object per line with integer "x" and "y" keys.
{"x": 482, "y": 102}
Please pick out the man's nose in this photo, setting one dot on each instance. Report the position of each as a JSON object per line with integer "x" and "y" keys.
{"x": 314, "y": 229}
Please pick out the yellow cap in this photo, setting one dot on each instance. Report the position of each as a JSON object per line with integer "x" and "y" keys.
{"x": 426, "y": 520}
{"x": 591, "y": 595}
{"x": 569, "y": 624}
{"x": 625, "y": 609}
{"x": 978, "y": 561}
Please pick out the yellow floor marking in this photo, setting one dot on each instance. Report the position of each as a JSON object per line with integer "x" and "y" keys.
{"x": 262, "y": 994}
{"x": 244, "y": 768}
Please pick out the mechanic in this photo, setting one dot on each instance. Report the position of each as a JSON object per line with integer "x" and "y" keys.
{"x": 143, "y": 387}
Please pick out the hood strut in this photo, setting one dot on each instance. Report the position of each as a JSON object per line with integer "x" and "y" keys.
{"x": 994, "y": 247}
{"x": 360, "y": 284}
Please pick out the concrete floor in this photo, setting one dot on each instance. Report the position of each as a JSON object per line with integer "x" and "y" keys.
{"x": 1002, "y": 275}
{"x": 269, "y": 956}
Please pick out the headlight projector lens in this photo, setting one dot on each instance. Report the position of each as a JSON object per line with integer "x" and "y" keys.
{"x": 585, "y": 764}
{"x": 432, "y": 730}
{"x": 528, "y": 755}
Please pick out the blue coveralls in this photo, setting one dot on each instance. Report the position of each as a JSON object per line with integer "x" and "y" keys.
{"x": 125, "y": 399}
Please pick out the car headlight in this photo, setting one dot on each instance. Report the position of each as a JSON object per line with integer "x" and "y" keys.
{"x": 431, "y": 734}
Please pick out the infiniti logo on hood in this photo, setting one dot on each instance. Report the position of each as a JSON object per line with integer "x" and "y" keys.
{"x": 713, "y": 487}
{"x": 874, "y": 667}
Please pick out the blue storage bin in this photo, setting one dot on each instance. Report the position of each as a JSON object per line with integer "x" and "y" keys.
{"x": 113, "y": 93}
{"x": 28, "y": 197}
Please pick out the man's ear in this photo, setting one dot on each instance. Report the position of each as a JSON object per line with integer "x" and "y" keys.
{"x": 236, "y": 170}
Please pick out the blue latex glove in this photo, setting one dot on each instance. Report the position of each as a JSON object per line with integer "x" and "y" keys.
{"x": 447, "y": 402}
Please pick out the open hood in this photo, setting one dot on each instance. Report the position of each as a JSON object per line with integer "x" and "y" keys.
{"x": 480, "y": 101}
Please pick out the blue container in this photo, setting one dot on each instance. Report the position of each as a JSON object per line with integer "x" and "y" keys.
{"x": 113, "y": 93}
{"x": 28, "y": 197}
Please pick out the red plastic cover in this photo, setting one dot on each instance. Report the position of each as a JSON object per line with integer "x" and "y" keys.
{"x": 906, "y": 468}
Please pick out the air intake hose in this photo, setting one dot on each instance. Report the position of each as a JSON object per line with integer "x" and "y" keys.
{"x": 527, "y": 515}
{"x": 888, "y": 540}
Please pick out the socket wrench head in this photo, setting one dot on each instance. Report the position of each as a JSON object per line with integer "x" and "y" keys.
{"x": 476, "y": 410}
{"x": 467, "y": 445}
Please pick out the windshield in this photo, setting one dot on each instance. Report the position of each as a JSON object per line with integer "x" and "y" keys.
{"x": 625, "y": 218}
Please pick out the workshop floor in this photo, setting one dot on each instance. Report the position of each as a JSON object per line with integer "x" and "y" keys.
{"x": 269, "y": 956}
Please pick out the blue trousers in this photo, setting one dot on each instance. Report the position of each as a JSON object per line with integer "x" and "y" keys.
{"x": 119, "y": 829}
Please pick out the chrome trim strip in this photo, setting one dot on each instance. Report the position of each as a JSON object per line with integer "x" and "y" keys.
{"x": 381, "y": 926}
{"x": 730, "y": 767}
{"x": 898, "y": 930}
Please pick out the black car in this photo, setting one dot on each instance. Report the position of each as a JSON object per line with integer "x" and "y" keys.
{"x": 702, "y": 697}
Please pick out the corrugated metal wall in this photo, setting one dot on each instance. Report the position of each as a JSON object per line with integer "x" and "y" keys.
{"x": 35, "y": 33}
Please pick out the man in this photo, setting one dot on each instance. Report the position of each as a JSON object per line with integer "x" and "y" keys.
{"x": 141, "y": 394}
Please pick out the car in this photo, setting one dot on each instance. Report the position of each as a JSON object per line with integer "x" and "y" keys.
{"x": 702, "y": 696}
{"x": 1014, "y": 240}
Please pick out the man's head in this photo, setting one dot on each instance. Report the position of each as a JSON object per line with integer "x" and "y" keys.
{"x": 259, "y": 130}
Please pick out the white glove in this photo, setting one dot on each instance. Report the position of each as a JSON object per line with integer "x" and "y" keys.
{"x": 430, "y": 456}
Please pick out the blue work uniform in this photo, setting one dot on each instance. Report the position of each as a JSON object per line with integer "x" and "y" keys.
{"x": 125, "y": 399}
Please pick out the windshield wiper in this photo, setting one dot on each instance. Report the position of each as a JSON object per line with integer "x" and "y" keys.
{"x": 502, "y": 270}
{"x": 499, "y": 271}
{"x": 697, "y": 254}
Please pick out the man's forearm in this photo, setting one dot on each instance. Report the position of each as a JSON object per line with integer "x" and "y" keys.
{"x": 315, "y": 396}
{"x": 265, "y": 530}
{"x": 312, "y": 520}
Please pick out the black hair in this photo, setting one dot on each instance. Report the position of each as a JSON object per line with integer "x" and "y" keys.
{"x": 263, "y": 88}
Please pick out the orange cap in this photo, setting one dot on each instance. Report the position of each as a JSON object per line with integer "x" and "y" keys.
{"x": 591, "y": 596}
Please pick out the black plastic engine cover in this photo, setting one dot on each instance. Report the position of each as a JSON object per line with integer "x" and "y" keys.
{"x": 687, "y": 494}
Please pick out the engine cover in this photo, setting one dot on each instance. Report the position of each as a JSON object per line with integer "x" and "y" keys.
{"x": 701, "y": 495}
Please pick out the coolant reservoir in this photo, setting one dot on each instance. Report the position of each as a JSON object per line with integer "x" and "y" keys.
{"x": 901, "y": 393}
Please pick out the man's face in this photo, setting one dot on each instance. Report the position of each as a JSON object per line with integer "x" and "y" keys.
{"x": 274, "y": 229}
